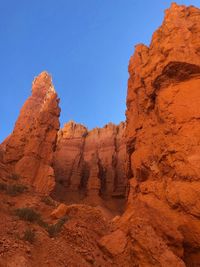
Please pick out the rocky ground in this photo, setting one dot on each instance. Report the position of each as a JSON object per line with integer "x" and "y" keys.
{"x": 39, "y": 238}
{"x": 127, "y": 195}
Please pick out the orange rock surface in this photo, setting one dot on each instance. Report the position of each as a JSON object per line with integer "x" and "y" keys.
{"x": 90, "y": 163}
{"x": 157, "y": 150}
{"x": 163, "y": 140}
{"x": 59, "y": 212}
{"x": 29, "y": 149}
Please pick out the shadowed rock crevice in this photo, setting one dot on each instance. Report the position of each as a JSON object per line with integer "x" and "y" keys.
{"x": 101, "y": 168}
{"x": 150, "y": 163}
{"x": 176, "y": 72}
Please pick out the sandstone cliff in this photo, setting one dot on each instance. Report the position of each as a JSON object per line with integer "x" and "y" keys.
{"x": 163, "y": 143}
{"x": 161, "y": 223}
{"x": 91, "y": 162}
{"x": 29, "y": 149}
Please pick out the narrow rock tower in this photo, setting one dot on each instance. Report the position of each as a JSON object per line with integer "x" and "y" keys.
{"x": 30, "y": 147}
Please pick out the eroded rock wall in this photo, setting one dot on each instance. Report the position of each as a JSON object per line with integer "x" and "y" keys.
{"x": 161, "y": 226}
{"x": 91, "y": 162}
{"x": 29, "y": 149}
{"x": 163, "y": 141}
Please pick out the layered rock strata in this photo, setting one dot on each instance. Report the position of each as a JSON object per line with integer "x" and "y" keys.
{"x": 91, "y": 162}
{"x": 29, "y": 149}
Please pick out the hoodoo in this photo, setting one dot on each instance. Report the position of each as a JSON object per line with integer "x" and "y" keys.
{"x": 29, "y": 149}
{"x": 151, "y": 162}
{"x": 91, "y": 165}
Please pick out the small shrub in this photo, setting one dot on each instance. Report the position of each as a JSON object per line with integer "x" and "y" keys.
{"x": 3, "y": 187}
{"x": 13, "y": 190}
{"x": 54, "y": 229}
{"x": 16, "y": 189}
{"x": 42, "y": 223}
{"x": 28, "y": 214}
{"x": 48, "y": 201}
{"x": 14, "y": 176}
{"x": 29, "y": 235}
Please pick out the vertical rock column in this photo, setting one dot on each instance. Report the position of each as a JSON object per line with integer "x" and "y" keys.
{"x": 68, "y": 160}
{"x": 30, "y": 147}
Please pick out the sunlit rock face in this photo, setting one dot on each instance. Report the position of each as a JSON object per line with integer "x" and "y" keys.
{"x": 91, "y": 163}
{"x": 163, "y": 141}
{"x": 29, "y": 149}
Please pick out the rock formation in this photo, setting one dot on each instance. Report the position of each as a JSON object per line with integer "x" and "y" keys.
{"x": 158, "y": 150}
{"x": 68, "y": 154}
{"x": 29, "y": 149}
{"x": 163, "y": 143}
{"x": 91, "y": 161}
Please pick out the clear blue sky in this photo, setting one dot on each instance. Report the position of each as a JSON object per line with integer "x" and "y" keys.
{"x": 84, "y": 44}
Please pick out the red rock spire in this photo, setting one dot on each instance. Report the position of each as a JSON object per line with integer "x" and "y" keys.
{"x": 30, "y": 146}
